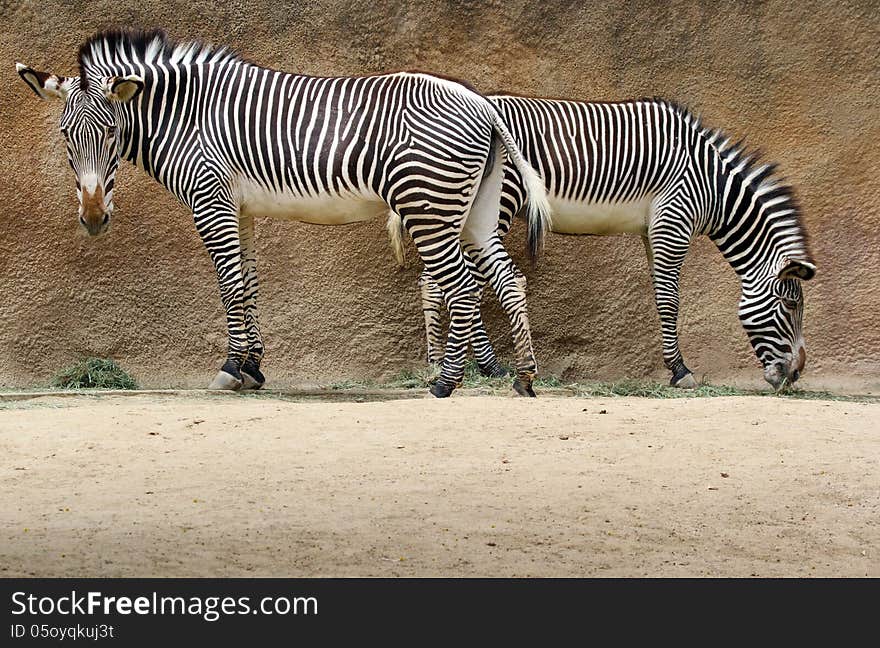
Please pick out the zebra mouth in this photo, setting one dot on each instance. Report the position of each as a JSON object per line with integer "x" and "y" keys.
{"x": 777, "y": 376}
{"x": 781, "y": 377}
{"x": 96, "y": 228}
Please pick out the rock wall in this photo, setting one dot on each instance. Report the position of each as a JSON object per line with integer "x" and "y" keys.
{"x": 800, "y": 80}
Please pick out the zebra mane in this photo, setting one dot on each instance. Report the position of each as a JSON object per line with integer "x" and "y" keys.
{"x": 144, "y": 46}
{"x": 769, "y": 189}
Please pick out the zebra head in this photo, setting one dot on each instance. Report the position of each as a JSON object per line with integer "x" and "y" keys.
{"x": 89, "y": 124}
{"x": 772, "y": 312}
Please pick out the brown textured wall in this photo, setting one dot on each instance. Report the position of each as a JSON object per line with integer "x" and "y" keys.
{"x": 800, "y": 80}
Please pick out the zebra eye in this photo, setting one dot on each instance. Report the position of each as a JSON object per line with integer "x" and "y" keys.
{"x": 65, "y": 132}
{"x": 789, "y": 303}
{"x": 111, "y": 131}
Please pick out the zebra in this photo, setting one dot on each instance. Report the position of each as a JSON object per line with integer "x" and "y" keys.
{"x": 232, "y": 140}
{"x": 650, "y": 167}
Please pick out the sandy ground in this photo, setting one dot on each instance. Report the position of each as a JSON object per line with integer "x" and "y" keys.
{"x": 470, "y": 486}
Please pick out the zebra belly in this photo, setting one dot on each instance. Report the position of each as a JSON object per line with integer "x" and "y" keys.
{"x": 574, "y": 217}
{"x": 324, "y": 209}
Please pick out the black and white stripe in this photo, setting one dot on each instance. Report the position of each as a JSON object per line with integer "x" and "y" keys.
{"x": 233, "y": 140}
{"x": 649, "y": 167}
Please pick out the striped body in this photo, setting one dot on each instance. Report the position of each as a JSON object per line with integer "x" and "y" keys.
{"x": 650, "y": 168}
{"x": 301, "y": 147}
{"x": 608, "y": 167}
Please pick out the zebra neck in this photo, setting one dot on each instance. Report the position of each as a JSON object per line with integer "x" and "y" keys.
{"x": 126, "y": 122}
{"x": 165, "y": 115}
{"x": 756, "y": 222}
{"x": 756, "y": 241}
{"x": 754, "y": 257}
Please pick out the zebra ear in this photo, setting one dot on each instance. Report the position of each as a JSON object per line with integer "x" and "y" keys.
{"x": 123, "y": 88}
{"x": 795, "y": 269}
{"x": 45, "y": 85}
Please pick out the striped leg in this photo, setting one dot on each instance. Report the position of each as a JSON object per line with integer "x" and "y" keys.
{"x": 217, "y": 224}
{"x": 667, "y": 246}
{"x": 481, "y": 239}
{"x": 510, "y": 286}
{"x": 251, "y": 375}
{"x": 438, "y": 244}
{"x": 432, "y": 307}
{"x": 511, "y": 202}
{"x": 484, "y": 354}
{"x": 432, "y": 297}
{"x": 444, "y": 261}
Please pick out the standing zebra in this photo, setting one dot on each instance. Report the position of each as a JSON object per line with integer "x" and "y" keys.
{"x": 650, "y": 168}
{"x": 232, "y": 140}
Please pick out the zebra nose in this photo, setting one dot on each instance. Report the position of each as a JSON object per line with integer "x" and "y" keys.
{"x": 795, "y": 375}
{"x": 95, "y": 224}
{"x": 94, "y": 213}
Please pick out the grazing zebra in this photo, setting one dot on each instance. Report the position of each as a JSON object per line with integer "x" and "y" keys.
{"x": 650, "y": 168}
{"x": 232, "y": 140}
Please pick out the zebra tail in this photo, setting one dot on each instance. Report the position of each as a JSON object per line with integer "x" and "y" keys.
{"x": 536, "y": 191}
{"x": 396, "y": 234}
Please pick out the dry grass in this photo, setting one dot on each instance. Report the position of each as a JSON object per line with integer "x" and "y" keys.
{"x": 93, "y": 373}
{"x": 421, "y": 378}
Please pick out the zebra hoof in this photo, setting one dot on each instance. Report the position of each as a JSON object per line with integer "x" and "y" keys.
{"x": 251, "y": 376}
{"x": 494, "y": 370}
{"x": 226, "y": 382}
{"x": 687, "y": 381}
{"x": 523, "y": 387}
{"x": 250, "y": 382}
{"x": 442, "y": 389}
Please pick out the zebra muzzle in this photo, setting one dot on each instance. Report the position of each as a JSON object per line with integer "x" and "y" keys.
{"x": 94, "y": 215}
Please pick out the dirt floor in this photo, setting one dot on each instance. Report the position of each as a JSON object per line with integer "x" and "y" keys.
{"x": 155, "y": 485}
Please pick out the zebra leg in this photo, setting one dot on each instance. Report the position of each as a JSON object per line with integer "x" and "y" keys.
{"x": 461, "y": 301}
{"x": 650, "y": 254}
{"x": 432, "y": 305}
{"x": 481, "y": 239}
{"x": 252, "y": 377}
{"x": 442, "y": 255}
{"x": 217, "y": 224}
{"x": 487, "y": 361}
{"x": 666, "y": 249}
{"x": 484, "y": 354}
{"x": 462, "y": 304}
{"x": 509, "y": 285}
